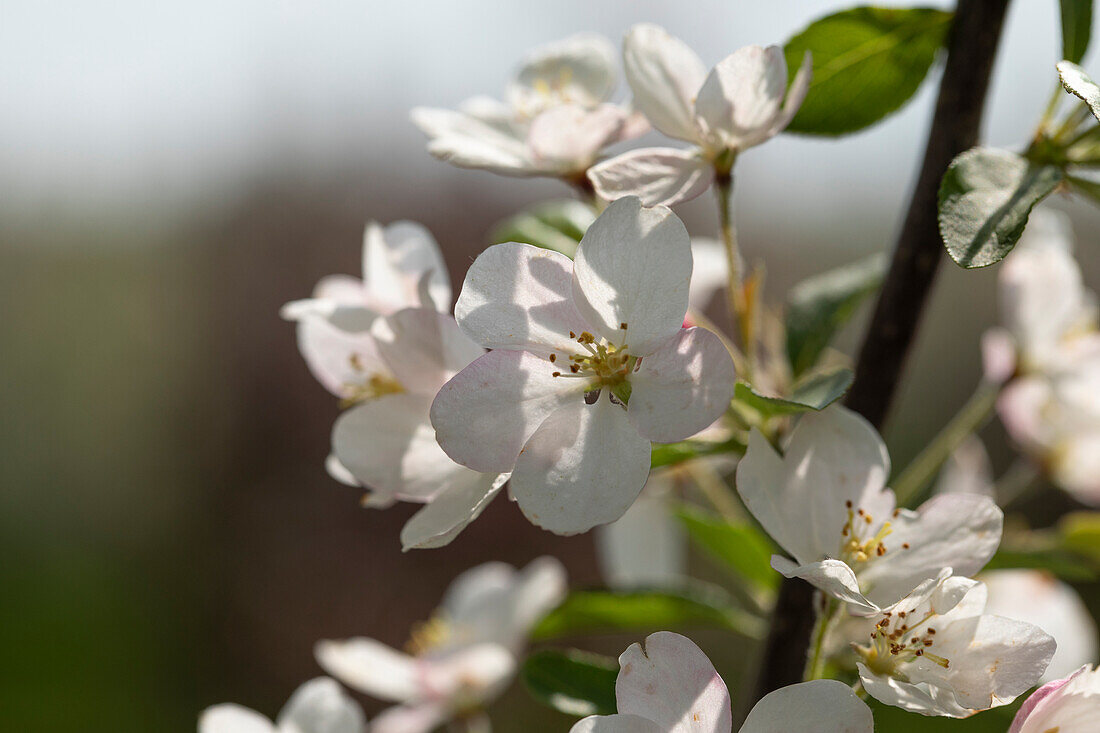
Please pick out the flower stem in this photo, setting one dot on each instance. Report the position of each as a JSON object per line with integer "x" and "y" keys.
{"x": 740, "y": 314}
{"x": 969, "y": 418}
{"x": 826, "y": 617}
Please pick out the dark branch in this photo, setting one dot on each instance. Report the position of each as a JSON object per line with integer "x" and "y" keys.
{"x": 972, "y": 47}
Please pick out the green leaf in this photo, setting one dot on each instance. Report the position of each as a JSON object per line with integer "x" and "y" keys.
{"x": 985, "y": 199}
{"x": 814, "y": 393}
{"x": 1078, "y": 83}
{"x": 740, "y": 548}
{"x": 571, "y": 681}
{"x": 669, "y": 454}
{"x": 605, "y": 611}
{"x": 819, "y": 306}
{"x": 1085, "y": 186}
{"x": 1076, "y": 28}
{"x": 1080, "y": 533}
{"x": 1065, "y": 565}
{"x": 556, "y": 225}
{"x": 867, "y": 63}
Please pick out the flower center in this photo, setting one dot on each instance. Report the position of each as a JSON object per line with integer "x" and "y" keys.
{"x": 898, "y": 639}
{"x": 603, "y": 365}
{"x": 433, "y": 634}
{"x": 370, "y": 386}
{"x": 859, "y": 541}
{"x": 553, "y": 88}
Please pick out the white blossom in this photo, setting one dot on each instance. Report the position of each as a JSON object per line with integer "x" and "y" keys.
{"x": 935, "y": 652}
{"x": 668, "y": 685}
{"x": 826, "y": 503}
{"x": 556, "y": 119}
{"x": 318, "y": 706}
{"x": 461, "y": 659}
{"x": 589, "y": 364}
{"x": 1069, "y": 705}
{"x": 742, "y": 102}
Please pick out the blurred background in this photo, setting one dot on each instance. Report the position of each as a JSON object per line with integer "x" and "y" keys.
{"x": 173, "y": 173}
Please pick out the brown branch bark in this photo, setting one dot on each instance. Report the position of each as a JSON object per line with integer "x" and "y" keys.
{"x": 972, "y": 47}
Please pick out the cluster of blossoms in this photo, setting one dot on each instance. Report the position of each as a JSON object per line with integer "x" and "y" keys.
{"x": 557, "y": 375}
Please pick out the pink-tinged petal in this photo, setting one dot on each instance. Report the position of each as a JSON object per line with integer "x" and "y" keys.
{"x": 665, "y": 76}
{"x": 424, "y": 347}
{"x": 232, "y": 718}
{"x": 709, "y": 271}
{"x": 517, "y": 296}
{"x": 658, "y": 176}
{"x": 584, "y": 466}
{"x": 832, "y": 576}
{"x": 567, "y": 139}
{"x": 438, "y": 523}
{"x": 671, "y": 682}
{"x": 389, "y": 446}
{"x": 321, "y": 706}
{"x": 920, "y": 699}
{"x": 422, "y": 717}
{"x": 631, "y": 273}
{"x": 1020, "y": 407}
{"x": 474, "y": 674}
{"x": 741, "y": 97}
{"x": 831, "y": 705}
{"x": 616, "y": 724}
{"x": 468, "y": 142}
{"x": 796, "y": 95}
{"x": 998, "y": 355}
{"x": 833, "y": 457}
{"x": 682, "y": 387}
{"x": 1037, "y": 597}
{"x": 338, "y": 359}
{"x": 580, "y": 69}
{"x": 959, "y": 531}
{"x": 371, "y": 667}
{"x": 395, "y": 259}
{"x": 1024, "y": 723}
{"x": 486, "y": 413}
{"x": 1076, "y": 467}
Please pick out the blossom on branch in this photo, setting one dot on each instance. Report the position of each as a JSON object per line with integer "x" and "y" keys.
{"x": 1067, "y": 705}
{"x": 825, "y": 501}
{"x": 590, "y": 363}
{"x": 461, "y": 659}
{"x": 667, "y": 685}
{"x": 318, "y": 706}
{"x": 742, "y": 102}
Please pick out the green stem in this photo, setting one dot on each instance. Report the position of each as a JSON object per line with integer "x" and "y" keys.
{"x": 740, "y": 318}
{"x": 815, "y": 665}
{"x": 1015, "y": 482}
{"x": 1051, "y": 108}
{"x": 968, "y": 419}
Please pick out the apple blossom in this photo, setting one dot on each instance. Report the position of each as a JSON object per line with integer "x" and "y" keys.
{"x": 318, "y": 706}
{"x": 461, "y": 659}
{"x": 935, "y": 652}
{"x": 646, "y": 547}
{"x": 385, "y": 441}
{"x": 402, "y": 268}
{"x": 1069, "y": 705}
{"x": 1039, "y": 598}
{"x": 739, "y": 104}
{"x": 668, "y": 685}
{"x": 589, "y": 364}
{"x": 555, "y": 122}
{"x": 825, "y": 502}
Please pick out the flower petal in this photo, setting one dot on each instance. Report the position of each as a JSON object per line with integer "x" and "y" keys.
{"x": 796, "y": 95}
{"x": 1037, "y": 597}
{"x": 370, "y": 666}
{"x": 709, "y": 270}
{"x": 424, "y": 347}
{"x": 671, "y": 682}
{"x": 633, "y": 267}
{"x": 616, "y": 724}
{"x": 958, "y": 531}
{"x": 567, "y": 139}
{"x": 832, "y": 576}
{"x": 646, "y": 547}
{"x": 585, "y": 465}
{"x": 833, "y": 457}
{"x": 682, "y": 387}
{"x": 922, "y": 699}
{"x": 741, "y": 97}
{"x": 233, "y": 718}
{"x": 658, "y": 176}
{"x": 967, "y": 470}
{"x": 423, "y": 717}
{"x": 665, "y": 76}
{"x": 395, "y": 258}
{"x": 338, "y": 359}
{"x": 468, "y": 142}
{"x": 451, "y": 511}
{"x": 517, "y": 296}
{"x": 832, "y": 706}
{"x": 1067, "y": 704}
{"x": 389, "y": 446}
{"x": 580, "y": 69}
{"x": 321, "y": 706}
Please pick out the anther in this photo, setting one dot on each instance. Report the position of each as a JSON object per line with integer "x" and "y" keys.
{"x": 556, "y": 374}
{"x": 553, "y": 357}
